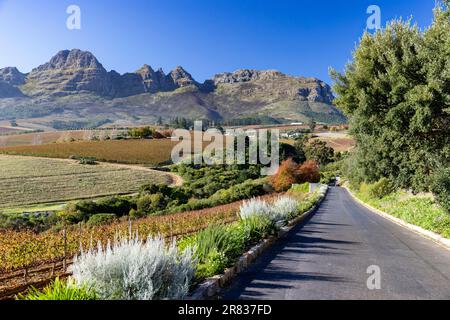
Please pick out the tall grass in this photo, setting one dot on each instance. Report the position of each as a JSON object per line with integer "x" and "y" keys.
{"x": 60, "y": 290}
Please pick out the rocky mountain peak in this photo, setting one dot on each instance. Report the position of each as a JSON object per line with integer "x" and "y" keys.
{"x": 69, "y": 72}
{"x": 71, "y": 59}
{"x": 246, "y": 75}
{"x": 79, "y": 74}
{"x": 12, "y": 76}
{"x": 181, "y": 77}
{"x": 304, "y": 89}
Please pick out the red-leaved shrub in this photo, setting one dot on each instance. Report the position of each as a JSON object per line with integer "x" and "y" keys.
{"x": 286, "y": 176}
{"x": 309, "y": 172}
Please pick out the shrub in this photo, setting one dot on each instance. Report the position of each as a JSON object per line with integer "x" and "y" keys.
{"x": 286, "y": 176}
{"x": 237, "y": 192}
{"x": 300, "y": 188}
{"x": 257, "y": 227}
{"x": 82, "y": 210}
{"x": 309, "y": 172}
{"x": 216, "y": 247}
{"x": 101, "y": 219}
{"x": 59, "y": 290}
{"x": 441, "y": 188}
{"x": 284, "y": 208}
{"x": 36, "y": 221}
{"x": 212, "y": 238}
{"x": 79, "y": 211}
{"x": 152, "y": 188}
{"x": 254, "y": 207}
{"x": 149, "y": 203}
{"x": 215, "y": 262}
{"x": 120, "y": 206}
{"x": 134, "y": 214}
{"x": 380, "y": 189}
{"x": 133, "y": 270}
{"x": 141, "y": 133}
{"x": 87, "y": 161}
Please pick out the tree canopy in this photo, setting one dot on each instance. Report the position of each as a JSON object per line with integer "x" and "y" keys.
{"x": 396, "y": 93}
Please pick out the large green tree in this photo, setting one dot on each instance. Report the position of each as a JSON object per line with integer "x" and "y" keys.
{"x": 396, "y": 93}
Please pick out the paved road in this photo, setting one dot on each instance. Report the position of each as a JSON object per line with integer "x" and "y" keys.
{"x": 327, "y": 258}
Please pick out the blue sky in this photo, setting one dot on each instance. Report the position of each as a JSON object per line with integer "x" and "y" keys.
{"x": 204, "y": 36}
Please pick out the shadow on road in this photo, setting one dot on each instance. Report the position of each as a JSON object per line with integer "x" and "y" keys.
{"x": 268, "y": 273}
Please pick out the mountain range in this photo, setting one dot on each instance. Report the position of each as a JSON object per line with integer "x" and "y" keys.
{"x": 74, "y": 85}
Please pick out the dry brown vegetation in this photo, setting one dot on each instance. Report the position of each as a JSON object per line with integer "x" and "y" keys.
{"x": 125, "y": 151}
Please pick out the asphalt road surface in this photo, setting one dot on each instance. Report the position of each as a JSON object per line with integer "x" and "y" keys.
{"x": 328, "y": 256}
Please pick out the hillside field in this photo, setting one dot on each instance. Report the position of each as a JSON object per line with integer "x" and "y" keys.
{"x": 152, "y": 152}
{"x": 28, "y": 180}
{"x": 339, "y": 141}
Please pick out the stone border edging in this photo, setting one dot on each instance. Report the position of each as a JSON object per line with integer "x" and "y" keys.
{"x": 211, "y": 286}
{"x": 442, "y": 241}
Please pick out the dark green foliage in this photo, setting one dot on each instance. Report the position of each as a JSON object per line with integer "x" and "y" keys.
{"x": 87, "y": 161}
{"x": 288, "y": 151}
{"x": 318, "y": 151}
{"x": 101, "y": 219}
{"x": 205, "y": 186}
{"x": 381, "y": 188}
{"x": 150, "y": 203}
{"x": 141, "y": 133}
{"x": 83, "y": 210}
{"x": 120, "y": 206}
{"x": 36, "y": 221}
{"x": 202, "y": 181}
{"x": 246, "y": 190}
{"x": 441, "y": 188}
{"x": 311, "y": 124}
{"x": 396, "y": 94}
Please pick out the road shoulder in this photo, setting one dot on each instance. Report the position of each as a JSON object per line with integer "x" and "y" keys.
{"x": 443, "y": 242}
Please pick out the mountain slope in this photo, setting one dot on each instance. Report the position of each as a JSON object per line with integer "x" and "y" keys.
{"x": 75, "y": 85}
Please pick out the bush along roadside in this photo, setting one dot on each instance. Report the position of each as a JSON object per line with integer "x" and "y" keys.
{"x": 422, "y": 210}
{"x": 219, "y": 249}
{"x": 133, "y": 269}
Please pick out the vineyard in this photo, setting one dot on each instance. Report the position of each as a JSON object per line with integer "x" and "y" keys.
{"x": 27, "y": 257}
{"x": 125, "y": 151}
{"x": 26, "y": 180}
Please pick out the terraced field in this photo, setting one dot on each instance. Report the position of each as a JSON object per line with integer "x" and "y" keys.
{"x": 30, "y": 180}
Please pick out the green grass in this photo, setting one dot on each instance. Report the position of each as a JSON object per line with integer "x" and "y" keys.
{"x": 29, "y": 181}
{"x": 36, "y": 208}
{"x": 59, "y": 290}
{"x": 421, "y": 210}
